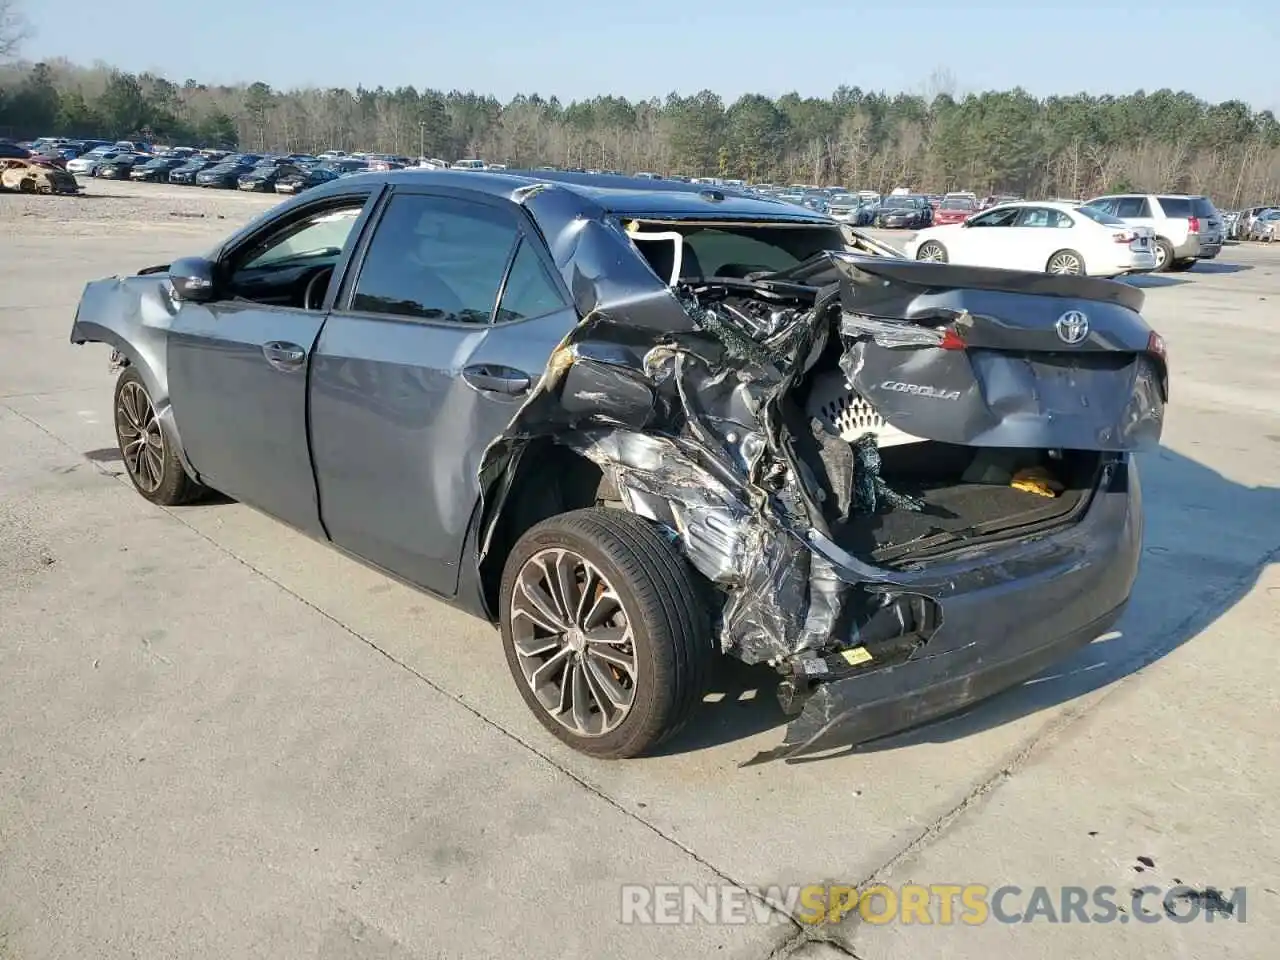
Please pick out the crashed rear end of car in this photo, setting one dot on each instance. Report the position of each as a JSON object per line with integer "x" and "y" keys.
{"x": 910, "y": 484}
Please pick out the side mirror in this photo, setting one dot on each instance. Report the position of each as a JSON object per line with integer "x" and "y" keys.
{"x": 192, "y": 279}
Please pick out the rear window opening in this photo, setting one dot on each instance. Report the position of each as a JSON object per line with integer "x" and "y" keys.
{"x": 1187, "y": 207}
{"x": 729, "y": 250}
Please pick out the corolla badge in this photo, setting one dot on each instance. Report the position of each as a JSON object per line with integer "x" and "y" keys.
{"x": 1072, "y": 327}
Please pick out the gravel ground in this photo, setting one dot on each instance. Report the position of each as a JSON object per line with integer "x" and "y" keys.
{"x": 106, "y": 208}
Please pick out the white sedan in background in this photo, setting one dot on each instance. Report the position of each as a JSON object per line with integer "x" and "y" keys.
{"x": 1045, "y": 237}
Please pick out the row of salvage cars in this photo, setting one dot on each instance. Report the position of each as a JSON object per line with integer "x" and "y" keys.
{"x": 641, "y": 425}
{"x": 244, "y": 171}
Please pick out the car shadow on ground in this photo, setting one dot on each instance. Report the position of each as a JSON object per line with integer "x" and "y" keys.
{"x": 1179, "y": 592}
{"x": 1210, "y": 266}
{"x": 1151, "y": 280}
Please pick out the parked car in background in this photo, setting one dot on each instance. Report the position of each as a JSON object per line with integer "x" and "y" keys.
{"x": 907, "y": 212}
{"x": 226, "y": 174}
{"x": 398, "y": 365}
{"x": 851, "y": 209}
{"x": 1265, "y": 226}
{"x": 156, "y": 170}
{"x": 9, "y": 150}
{"x": 1187, "y": 228}
{"x": 344, "y": 165}
{"x": 51, "y": 156}
{"x": 186, "y": 173}
{"x": 31, "y": 176}
{"x": 1244, "y": 220}
{"x": 304, "y": 179}
{"x": 954, "y": 210}
{"x": 1043, "y": 237}
{"x": 120, "y": 166}
{"x": 86, "y": 163}
{"x": 263, "y": 177}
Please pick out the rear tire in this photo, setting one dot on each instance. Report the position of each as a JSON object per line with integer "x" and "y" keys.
{"x": 1164, "y": 255}
{"x": 933, "y": 252}
{"x": 599, "y": 602}
{"x": 1066, "y": 263}
{"x": 148, "y": 453}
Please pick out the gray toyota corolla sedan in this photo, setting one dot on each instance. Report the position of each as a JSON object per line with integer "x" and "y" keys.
{"x": 639, "y": 424}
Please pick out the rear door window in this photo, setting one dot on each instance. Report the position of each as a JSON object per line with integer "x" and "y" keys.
{"x": 1043, "y": 217}
{"x": 1175, "y": 207}
{"x": 529, "y": 291}
{"x": 437, "y": 258}
{"x": 1000, "y": 217}
{"x": 1203, "y": 207}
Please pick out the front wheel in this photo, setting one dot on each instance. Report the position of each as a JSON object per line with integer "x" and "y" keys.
{"x": 1066, "y": 263}
{"x": 604, "y": 631}
{"x": 148, "y": 454}
{"x": 932, "y": 251}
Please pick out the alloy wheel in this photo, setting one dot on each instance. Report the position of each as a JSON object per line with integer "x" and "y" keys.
{"x": 574, "y": 642}
{"x": 932, "y": 253}
{"x": 1066, "y": 264}
{"x": 140, "y": 436}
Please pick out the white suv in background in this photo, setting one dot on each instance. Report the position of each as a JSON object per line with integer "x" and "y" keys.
{"x": 1187, "y": 228}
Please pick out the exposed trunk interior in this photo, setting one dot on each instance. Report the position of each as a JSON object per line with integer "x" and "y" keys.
{"x": 904, "y": 498}
{"x": 965, "y": 495}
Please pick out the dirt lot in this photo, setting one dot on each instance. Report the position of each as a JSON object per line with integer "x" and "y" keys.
{"x": 220, "y": 739}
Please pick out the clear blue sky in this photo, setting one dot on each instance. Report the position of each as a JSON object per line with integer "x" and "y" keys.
{"x": 574, "y": 49}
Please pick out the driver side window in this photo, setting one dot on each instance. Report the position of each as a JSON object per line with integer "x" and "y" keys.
{"x": 290, "y": 266}
{"x": 324, "y": 231}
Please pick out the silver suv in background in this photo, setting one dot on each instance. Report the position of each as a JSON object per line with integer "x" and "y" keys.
{"x": 1187, "y": 228}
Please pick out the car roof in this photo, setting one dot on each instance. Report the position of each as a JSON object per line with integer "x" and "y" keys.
{"x": 621, "y": 195}
{"x": 1052, "y": 204}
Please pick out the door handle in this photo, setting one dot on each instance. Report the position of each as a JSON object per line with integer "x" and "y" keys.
{"x": 284, "y": 356}
{"x": 491, "y": 379}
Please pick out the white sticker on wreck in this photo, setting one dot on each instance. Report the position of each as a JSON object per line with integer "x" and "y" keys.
{"x": 920, "y": 390}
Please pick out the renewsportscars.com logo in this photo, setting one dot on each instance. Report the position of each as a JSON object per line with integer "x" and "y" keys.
{"x": 939, "y": 904}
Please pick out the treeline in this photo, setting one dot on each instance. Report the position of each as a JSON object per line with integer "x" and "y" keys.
{"x": 993, "y": 142}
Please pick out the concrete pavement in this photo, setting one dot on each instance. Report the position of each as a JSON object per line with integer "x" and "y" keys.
{"x": 218, "y": 738}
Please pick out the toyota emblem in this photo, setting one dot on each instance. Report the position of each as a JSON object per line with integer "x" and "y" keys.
{"x": 1073, "y": 327}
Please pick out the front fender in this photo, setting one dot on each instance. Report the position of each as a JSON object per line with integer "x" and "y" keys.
{"x": 134, "y": 315}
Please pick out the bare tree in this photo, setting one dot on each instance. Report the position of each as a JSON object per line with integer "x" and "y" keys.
{"x": 13, "y": 29}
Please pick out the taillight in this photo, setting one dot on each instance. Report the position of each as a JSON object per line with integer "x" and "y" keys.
{"x": 951, "y": 340}
{"x": 1193, "y": 224}
{"x": 1124, "y": 236}
{"x": 1156, "y": 346}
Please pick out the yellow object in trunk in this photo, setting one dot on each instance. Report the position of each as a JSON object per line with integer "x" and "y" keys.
{"x": 1036, "y": 480}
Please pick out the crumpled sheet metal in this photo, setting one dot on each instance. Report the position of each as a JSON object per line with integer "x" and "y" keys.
{"x": 1016, "y": 383}
{"x": 691, "y": 448}
{"x": 994, "y": 398}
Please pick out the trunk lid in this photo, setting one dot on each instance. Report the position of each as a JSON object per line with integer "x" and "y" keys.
{"x": 997, "y": 358}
